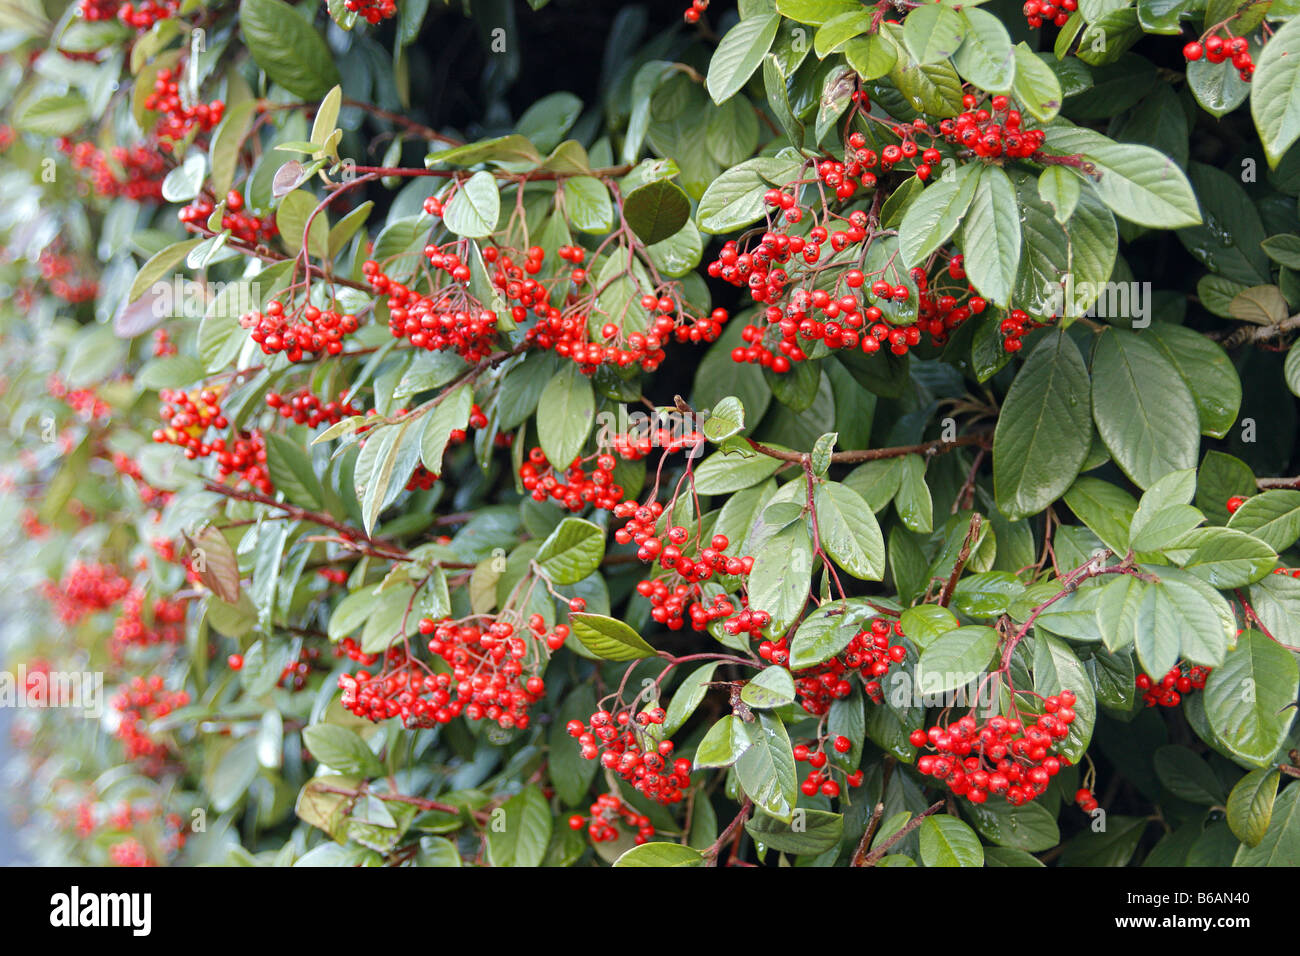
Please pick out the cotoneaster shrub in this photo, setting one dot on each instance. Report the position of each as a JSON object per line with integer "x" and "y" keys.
{"x": 839, "y": 433}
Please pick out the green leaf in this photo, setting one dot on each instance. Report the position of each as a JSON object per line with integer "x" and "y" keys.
{"x": 849, "y": 531}
{"x": 608, "y": 638}
{"x": 739, "y": 55}
{"x": 825, "y": 632}
{"x": 159, "y": 265}
{"x": 782, "y": 573}
{"x": 587, "y": 203}
{"x": 523, "y": 832}
{"x": 1228, "y": 557}
{"x": 1030, "y": 827}
{"x": 475, "y": 209}
{"x": 342, "y": 750}
{"x": 390, "y": 455}
{"x": 1038, "y": 91}
{"x": 1139, "y": 183}
{"x": 933, "y": 32}
{"x": 773, "y": 687}
{"x": 1250, "y": 805}
{"x": 1249, "y": 700}
{"x": 1187, "y": 776}
{"x": 688, "y": 696}
{"x": 1057, "y": 668}
{"x": 292, "y": 472}
{"x": 287, "y": 48}
{"x": 1280, "y": 844}
{"x": 291, "y": 219}
{"x": 727, "y": 471}
{"x": 812, "y": 832}
{"x": 1273, "y": 516}
{"x": 934, "y": 215}
{"x": 986, "y": 57}
{"x": 946, "y": 841}
{"x": 1275, "y": 92}
{"x": 725, "y": 420}
{"x": 913, "y": 501}
{"x": 1206, "y": 371}
{"x": 660, "y": 855}
{"x": 926, "y": 622}
{"x": 570, "y": 773}
{"x": 572, "y": 551}
{"x": 565, "y": 413}
{"x": 724, "y": 744}
{"x": 1060, "y": 190}
{"x": 766, "y": 769}
{"x": 450, "y": 414}
{"x": 1042, "y": 435}
{"x": 991, "y": 237}
{"x": 657, "y": 210}
{"x": 1142, "y": 408}
{"x": 956, "y": 658}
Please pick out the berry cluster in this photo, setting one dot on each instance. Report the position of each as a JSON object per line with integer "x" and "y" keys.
{"x": 449, "y": 319}
{"x": 693, "y": 12}
{"x": 163, "y": 345}
{"x": 163, "y": 624}
{"x": 83, "y": 401}
{"x": 352, "y": 650}
{"x": 130, "y": 852}
{"x": 178, "y": 120}
{"x": 372, "y": 11}
{"x": 1168, "y": 691}
{"x": 305, "y": 408}
{"x": 186, "y": 418}
{"x": 1038, "y": 12}
{"x": 140, "y": 16}
{"x": 57, "y": 269}
{"x": 294, "y": 675}
{"x": 870, "y": 653}
{"x": 141, "y": 701}
{"x": 575, "y": 488}
{"x": 1003, "y": 757}
{"x": 244, "y": 226}
{"x": 1086, "y": 799}
{"x": 1217, "y": 48}
{"x": 150, "y": 496}
{"x": 992, "y": 133}
{"x": 819, "y": 778}
{"x": 606, "y": 813}
{"x": 86, "y": 589}
{"x": 299, "y": 335}
{"x": 1015, "y": 327}
{"x": 142, "y": 169}
{"x": 940, "y": 310}
{"x": 629, "y": 747}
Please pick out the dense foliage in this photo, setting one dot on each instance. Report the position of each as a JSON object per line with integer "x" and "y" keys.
{"x": 818, "y": 432}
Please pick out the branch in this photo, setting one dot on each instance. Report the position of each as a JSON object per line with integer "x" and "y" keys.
{"x": 937, "y": 447}
{"x": 872, "y": 858}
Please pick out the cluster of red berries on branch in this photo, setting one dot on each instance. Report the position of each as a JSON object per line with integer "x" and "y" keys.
{"x": 819, "y": 779}
{"x": 695, "y": 10}
{"x": 305, "y": 408}
{"x": 1289, "y": 572}
{"x": 243, "y": 225}
{"x": 448, "y": 319}
{"x": 992, "y": 133}
{"x": 1216, "y": 49}
{"x": 422, "y": 479}
{"x": 85, "y": 589}
{"x": 1169, "y": 690}
{"x": 870, "y": 653}
{"x": 141, "y": 701}
{"x": 350, "y": 649}
{"x": 179, "y": 120}
{"x": 135, "y": 172}
{"x": 135, "y": 629}
{"x": 372, "y": 11}
{"x": 186, "y": 418}
{"x": 495, "y": 675}
{"x": 1086, "y": 799}
{"x": 943, "y": 309}
{"x": 300, "y": 334}
{"x": 294, "y": 674}
{"x": 630, "y": 746}
{"x": 1038, "y": 12}
{"x": 83, "y": 401}
{"x": 606, "y": 814}
{"x": 1015, "y": 327}
{"x": 163, "y": 345}
{"x": 576, "y": 487}
{"x": 57, "y": 270}
{"x": 863, "y": 166}
{"x": 130, "y": 852}
{"x": 1003, "y": 757}
{"x": 140, "y": 16}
